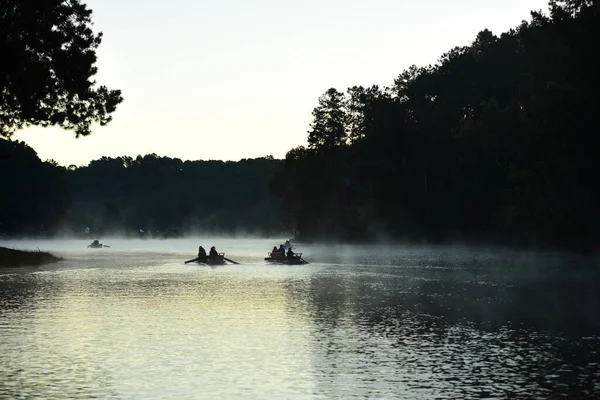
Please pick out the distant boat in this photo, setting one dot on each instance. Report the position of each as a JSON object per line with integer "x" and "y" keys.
{"x": 96, "y": 245}
{"x": 281, "y": 258}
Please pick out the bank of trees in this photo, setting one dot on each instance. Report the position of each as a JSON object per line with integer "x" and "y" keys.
{"x": 498, "y": 140}
{"x": 34, "y": 196}
{"x": 48, "y": 52}
{"x": 160, "y": 196}
{"x": 168, "y": 195}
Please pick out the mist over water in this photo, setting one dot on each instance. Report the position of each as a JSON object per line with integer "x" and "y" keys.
{"x": 134, "y": 321}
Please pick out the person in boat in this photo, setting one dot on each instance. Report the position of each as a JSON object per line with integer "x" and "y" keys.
{"x": 290, "y": 253}
{"x": 281, "y": 249}
{"x": 95, "y": 243}
{"x": 201, "y": 252}
{"x": 288, "y": 244}
{"x": 274, "y": 251}
{"x": 213, "y": 253}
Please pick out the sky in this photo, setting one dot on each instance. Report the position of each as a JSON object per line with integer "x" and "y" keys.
{"x": 233, "y": 79}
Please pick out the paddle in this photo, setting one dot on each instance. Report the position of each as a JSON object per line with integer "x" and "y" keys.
{"x": 189, "y": 261}
{"x": 105, "y": 245}
{"x": 302, "y": 259}
{"x": 231, "y": 261}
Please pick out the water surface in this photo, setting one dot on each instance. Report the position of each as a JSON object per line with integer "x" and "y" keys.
{"x": 133, "y": 321}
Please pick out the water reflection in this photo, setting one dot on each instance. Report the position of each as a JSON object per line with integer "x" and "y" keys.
{"x": 448, "y": 333}
{"x": 140, "y": 324}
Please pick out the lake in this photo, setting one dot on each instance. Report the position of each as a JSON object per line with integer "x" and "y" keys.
{"x": 134, "y": 322}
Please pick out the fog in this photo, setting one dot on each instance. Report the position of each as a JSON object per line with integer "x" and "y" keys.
{"x": 456, "y": 256}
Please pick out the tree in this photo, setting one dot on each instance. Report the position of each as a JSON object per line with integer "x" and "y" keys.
{"x": 497, "y": 140}
{"x": 48, "y": 50}
{"x": 328, "y": 129}
{"x": 360, "y": 104}
{"x": 34, "y": 193}
{"x": 571, "y": 7}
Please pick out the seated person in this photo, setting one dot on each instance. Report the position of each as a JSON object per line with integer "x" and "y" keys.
{"x": 274, "y": 251}
{"x": 290, "y": 253}
{"x": 201, "y": 252}
{"x": 282, "y": 249}
{"x": 213, "y": 253}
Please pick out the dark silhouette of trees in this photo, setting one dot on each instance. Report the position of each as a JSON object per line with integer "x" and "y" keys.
{"x": 48, "y": 53}
{"x": 495, "y": 141}
{"x": 34, "y": 195}
{"x": 328, "y": 129}
{"x": 161, "y": 196}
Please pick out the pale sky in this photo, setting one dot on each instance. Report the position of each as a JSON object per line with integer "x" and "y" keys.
{"x": 238, "y": 79}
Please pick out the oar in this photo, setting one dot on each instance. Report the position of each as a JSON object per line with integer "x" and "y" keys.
{"x": 105, "y": 245}
{"x": 231, "y": 261}
{"x": 189, "y": 261}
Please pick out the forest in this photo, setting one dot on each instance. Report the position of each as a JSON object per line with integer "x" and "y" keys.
{"x": 146, "y": 196}
{"x": 495, "y": 142}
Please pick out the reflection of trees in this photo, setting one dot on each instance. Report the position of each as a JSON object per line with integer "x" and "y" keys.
{"x": 450, "y": 327}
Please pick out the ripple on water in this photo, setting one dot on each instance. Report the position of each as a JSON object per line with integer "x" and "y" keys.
{"x": 144, "y": 325}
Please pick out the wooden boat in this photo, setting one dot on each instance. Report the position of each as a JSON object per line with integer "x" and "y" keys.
{"x": 282, "y": 258}
{"x": 219, "y": 259}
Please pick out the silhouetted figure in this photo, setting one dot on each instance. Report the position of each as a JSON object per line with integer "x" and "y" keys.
{"x": 213, "y": 253}
{"x": 95, "y": 244}
{"x": 274, "y": 251}
{"x": 201, "y": 252}
{"x": 290, "y": 253}
{"x": 281, "y": 249}
{"x": 288, "y": 244}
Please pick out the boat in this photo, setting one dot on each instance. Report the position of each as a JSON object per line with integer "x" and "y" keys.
{"x": 96, "y": 245}
{"x": 219, "y": 259}
{"x": 279, "y": 258}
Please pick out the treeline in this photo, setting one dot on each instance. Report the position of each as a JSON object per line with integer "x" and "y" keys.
{"x": 496, "y": 141}
{"x": 143, "y": 196}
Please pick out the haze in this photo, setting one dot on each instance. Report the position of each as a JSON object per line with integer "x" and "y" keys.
{"x": 233, "y": 79}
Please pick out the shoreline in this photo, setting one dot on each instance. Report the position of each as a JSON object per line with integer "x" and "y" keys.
{"x": 24, "y": 258}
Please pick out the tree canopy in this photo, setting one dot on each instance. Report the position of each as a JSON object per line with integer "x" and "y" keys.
{"x": 124, "y": 195}
{"x": 48, "y": 50}
{"x": 497, "y": 141}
